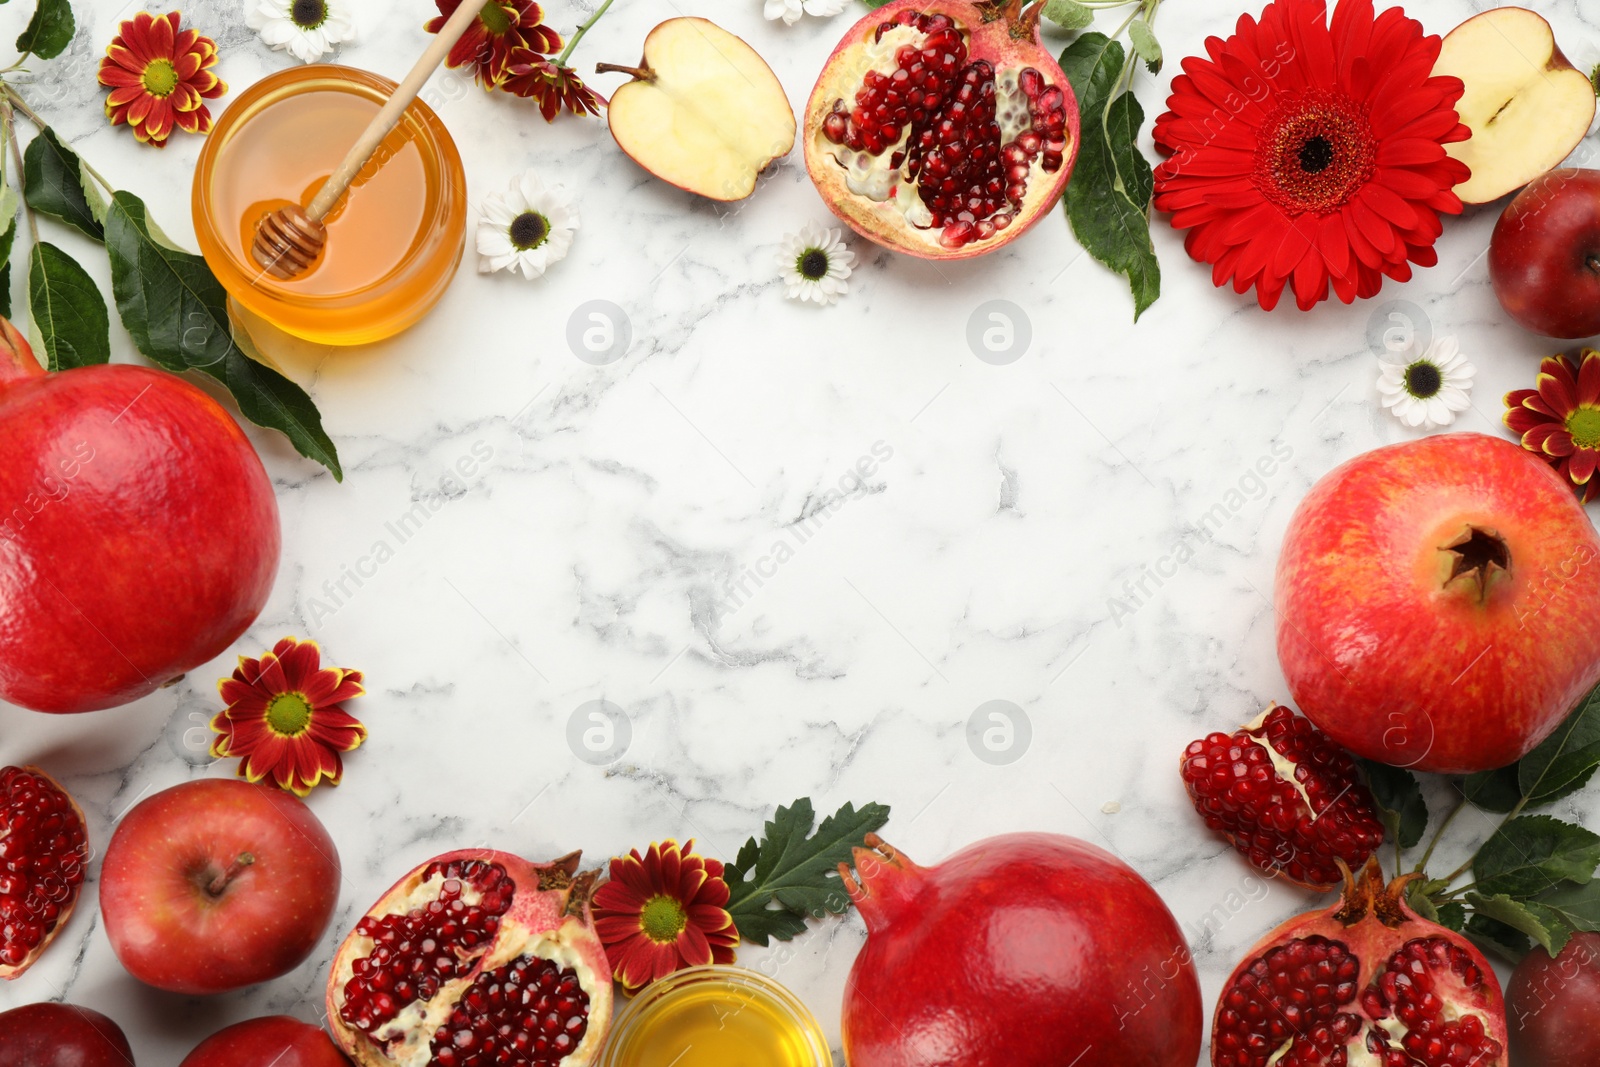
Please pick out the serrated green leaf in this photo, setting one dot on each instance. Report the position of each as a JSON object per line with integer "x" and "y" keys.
{"x": 1567, "y": 759}
{"x": 790, "y": 875}
{"x": 1577, "y": 905}
{"x": 1452, "y": 916}
{"x": 49, "y": 31}
{"x": 177, "y": 313}
{"x": 1108, "y": 198}
{"x": 1421, "y": 903}
{"x": 1544, "y": 926}
{"x": 1400, "y": 802}
{"x": 8, "y": 236}
{"x": 1533, "y": 854}
{"x": 1507, "y": 939}
{"x": 53, "y": 180}
{"x": 1494, "y": 791}
{"x": 1145, "y": 45}
{"x": 1068, "y": 14}
{"x": 68, "y": 311}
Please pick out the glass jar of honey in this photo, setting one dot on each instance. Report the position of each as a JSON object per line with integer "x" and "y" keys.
{"x": 394, "y": 240}
{"x": 716, "y": 1017}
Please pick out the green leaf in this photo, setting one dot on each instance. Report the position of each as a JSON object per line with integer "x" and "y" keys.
{"x": 795, "y": 870}
{"x": 1577, "y": 905}
{"x": 1068, "y": 14}
{"x": 1543, "y": 925}
{"x": 49, "y": 31}
{"x": 68, "y": 311}
{"x": 1495, "y": 790}
{"x": 1400, "y": 803}
{"x": 8, "y": 235}
{"x": 1533, "y": 854}
{"x": 1145, "y": 45}
{"x": 1508, "y": 939}
{"x": 1452, "y": 916}
{"x": 177, "y": 312}
{"x": 54, "y": 183}
{"x": 1108, "y": 198}
{"x": 1567, "y": 759}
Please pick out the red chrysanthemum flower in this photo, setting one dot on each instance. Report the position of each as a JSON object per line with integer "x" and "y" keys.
{"x": 160, "y": 77}
{"x": 284, "y": 718}
{"x": 1308, "y": 154}
{"x": 537, "y": 77}
{"x": 1559, "y": 419}
{"x": 662, "y": 912}
{"x": 502, "y": 27}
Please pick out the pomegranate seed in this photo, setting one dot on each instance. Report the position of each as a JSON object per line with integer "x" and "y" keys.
{"x": 531, "y": 1011}
{"x": 43, "y": 852}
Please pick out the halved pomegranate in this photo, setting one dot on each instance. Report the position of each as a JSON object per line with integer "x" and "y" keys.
{"x": 44, "y": 851}
{"x": 475, "y": 958}
{"x": 1366, "y": 983}
{"x": 942, "y": 128}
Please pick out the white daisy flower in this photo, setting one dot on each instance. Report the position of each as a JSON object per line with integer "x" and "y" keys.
{"x": 815, "y": 264}
{"x": 791, "y": 10}
{"x": 526, "y": 228}
{"x": 306, "y": 29}
{"x": 1428, "y": 390}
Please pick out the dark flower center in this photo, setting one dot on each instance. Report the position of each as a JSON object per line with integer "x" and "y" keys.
{"x": 1423, "y": 380}
{"x": 309, "y": 14}
{"x": 494, "y": 17}
{"x": 1584, "y": 426}
{"x": 812, "y": 264}
{"x": 1314, "y": 152}
{"x": 288, "y": 714}
{"x": 529, "y": 230}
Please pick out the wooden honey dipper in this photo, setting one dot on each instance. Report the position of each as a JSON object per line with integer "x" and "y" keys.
{"x": 289, "y": 240}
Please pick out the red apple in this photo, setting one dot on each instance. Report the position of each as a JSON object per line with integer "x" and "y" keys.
{"x": 1544, "y": 257}
{"x": 61, "y": 1035}
{"x": 216, "y": 885}
{"x": 1436, "y": 603}
{"x": 1554, "y": 1006}
{"x": 273, "y": 1041}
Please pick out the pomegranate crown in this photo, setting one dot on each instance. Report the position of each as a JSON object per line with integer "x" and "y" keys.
{"x": 1022, "y": 16}
{"x": 1370, "y": 896}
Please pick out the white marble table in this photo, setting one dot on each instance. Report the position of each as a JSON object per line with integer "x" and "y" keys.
{"x": 1014, "y": 540}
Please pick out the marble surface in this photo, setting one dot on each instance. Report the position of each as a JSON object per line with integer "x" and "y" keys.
{"x": 799, "y": 549}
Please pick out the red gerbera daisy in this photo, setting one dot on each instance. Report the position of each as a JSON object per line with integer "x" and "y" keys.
{"x": 1312, "y": 154}
{"x": 1559, "y": 420}
{"x": 160, "y": 77}
{"x": 662, "y": 912}
{"x": 284, "y": 718}
{"x": 551, "y": 84}
{"x": 502, "y": 27}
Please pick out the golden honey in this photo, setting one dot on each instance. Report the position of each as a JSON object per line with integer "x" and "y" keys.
{"x": 395, "y": 239}
{"x": 717, "y": 1017}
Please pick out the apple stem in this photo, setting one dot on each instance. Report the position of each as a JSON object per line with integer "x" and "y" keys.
{"x": 220, "y": 883}
{"x": 644, "y": 74}
{"x": 1593, "y": 262}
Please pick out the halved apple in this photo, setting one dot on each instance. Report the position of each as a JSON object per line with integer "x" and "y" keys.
{"x": 1526, "y": 105}
{"x": 703, "y": 111}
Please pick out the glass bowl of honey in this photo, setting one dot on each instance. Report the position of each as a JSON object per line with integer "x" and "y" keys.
{"x": 394, "y": 240}
{"x": 716, "y": 1017}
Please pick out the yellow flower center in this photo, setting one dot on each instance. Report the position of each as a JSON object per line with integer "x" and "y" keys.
{"x": 160, "y": 77}
{"x": 663, "y": 919}
{"x": 494, "y": 18}
{"x": 1584, "y": 426}
{"x": 289, "y": 714}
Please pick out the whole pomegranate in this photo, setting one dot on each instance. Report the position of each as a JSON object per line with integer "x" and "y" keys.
{"x": 61, "y": 1035}
{"x": 474, "y": 959}
{"x": 1435, "y": 603}
{"x": 1285, "y": 796}
{"x": 1554, "y": 1006}
{"x": 44, "y": 849}
{"x": 1027, "y": 950}
{"x": 141, "y": 537}
{"x": 942, "y": 128}
{"x": 271, "y": 1041}
{"x": 1366, "y": 982}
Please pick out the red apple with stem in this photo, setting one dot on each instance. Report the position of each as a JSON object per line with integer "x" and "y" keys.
{"x": 217, "y": 884}
{"x": 1436, "y": 603}
{"x": 1553, "y": 1006}
{"x": 272, "y": 1041}
{"x": 61, "y": 1035}
{"x": 1544, "y": 257}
